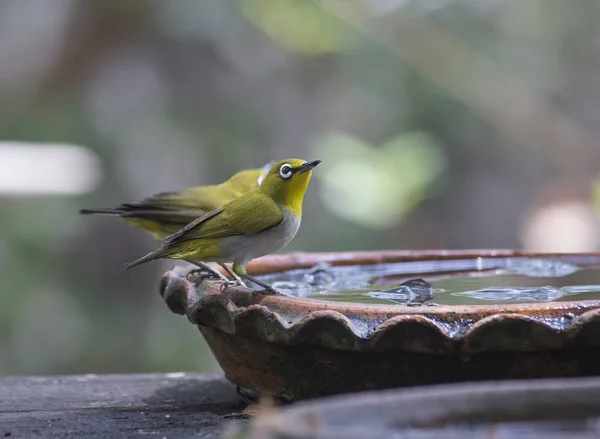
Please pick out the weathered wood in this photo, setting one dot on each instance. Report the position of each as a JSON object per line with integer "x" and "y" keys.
{"x": 173, "y": 405}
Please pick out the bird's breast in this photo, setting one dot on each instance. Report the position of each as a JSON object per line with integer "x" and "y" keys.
{"x": 243, "y": 248}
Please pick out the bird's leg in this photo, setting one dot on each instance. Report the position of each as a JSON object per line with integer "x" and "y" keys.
{"x": 207, "y": 268}
{"x": 268, "y": 289}
{"x": 232, "y": 273}
{"x": 240, "y": 270}
{"x": 238, "y": 280}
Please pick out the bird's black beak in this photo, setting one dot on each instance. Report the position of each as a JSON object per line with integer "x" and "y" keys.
{"x": 307, "y": 166}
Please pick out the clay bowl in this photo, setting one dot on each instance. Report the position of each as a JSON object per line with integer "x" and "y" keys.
{"x": 296, "y": 348}
{"x": 550, "y": 409}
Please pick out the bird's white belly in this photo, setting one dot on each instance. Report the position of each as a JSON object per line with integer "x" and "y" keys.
{"x": 243, "y": 248}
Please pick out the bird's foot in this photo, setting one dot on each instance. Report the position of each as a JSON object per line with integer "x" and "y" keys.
{"x": 264, "y": 292}
{"x": 231, "y": 283}
{"x": 267, "y": 289}
{"x": 233, "y": 275}
{"x": 208, "y": 271}
{"x": 198, "y": 275}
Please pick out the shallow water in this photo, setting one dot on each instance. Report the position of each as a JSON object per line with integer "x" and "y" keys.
{"x": 456, "y": 282}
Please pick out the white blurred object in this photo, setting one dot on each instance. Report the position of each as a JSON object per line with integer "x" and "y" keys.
{"x": 39, "y": 169}
{"x": 562, "y": 226}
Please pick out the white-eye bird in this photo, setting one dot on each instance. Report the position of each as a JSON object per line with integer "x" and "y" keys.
{"x": 255, "y": 224}
{"x": 167, "y": 212}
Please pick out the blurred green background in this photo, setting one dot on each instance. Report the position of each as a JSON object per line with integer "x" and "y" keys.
{"x": 440, "y": 123}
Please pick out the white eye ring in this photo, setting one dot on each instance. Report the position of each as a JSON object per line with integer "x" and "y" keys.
{"x": 286, "y": 171}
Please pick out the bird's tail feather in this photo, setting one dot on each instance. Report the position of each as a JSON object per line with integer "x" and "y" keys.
{"x": 149, "y": 257}
{"x": 101, "y": 211}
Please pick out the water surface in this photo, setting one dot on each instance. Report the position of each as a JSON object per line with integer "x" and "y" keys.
{"x": 456, "y": 282}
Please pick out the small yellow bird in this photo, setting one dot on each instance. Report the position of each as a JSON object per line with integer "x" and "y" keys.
{"x": 255, "y": 224}
{"x": 167, "y": 212}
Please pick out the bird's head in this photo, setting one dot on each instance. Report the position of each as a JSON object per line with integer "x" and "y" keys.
{"x": 287, "y": 181}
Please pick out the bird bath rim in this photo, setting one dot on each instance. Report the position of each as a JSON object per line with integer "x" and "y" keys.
{"x": 206, "y": 305}
{"x": 303, "y": 260}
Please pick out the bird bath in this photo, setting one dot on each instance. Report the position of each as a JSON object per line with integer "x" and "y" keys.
{"x": 374, "y": 320}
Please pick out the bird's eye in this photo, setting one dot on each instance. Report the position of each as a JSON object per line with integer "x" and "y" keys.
{"x": 285, "y": 171}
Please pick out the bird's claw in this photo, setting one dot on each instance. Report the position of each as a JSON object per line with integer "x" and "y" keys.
{"x": 199, "y": 274}
{"x": 264, "y": 292}
{"x": 228, "y": 284}
{"x": 267, "y": 289}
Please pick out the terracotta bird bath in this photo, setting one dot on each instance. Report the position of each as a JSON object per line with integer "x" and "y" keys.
{"x": 296, "y": 348}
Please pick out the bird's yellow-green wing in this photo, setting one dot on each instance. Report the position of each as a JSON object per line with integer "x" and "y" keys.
{"x": 247, "y": 215}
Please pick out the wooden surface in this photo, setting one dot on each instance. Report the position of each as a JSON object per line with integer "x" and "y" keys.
{"x": 118, "y": 406}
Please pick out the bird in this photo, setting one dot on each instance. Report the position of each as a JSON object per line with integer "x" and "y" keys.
{"x": 164, "y": 213}
{"x": 259, "y": 222}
